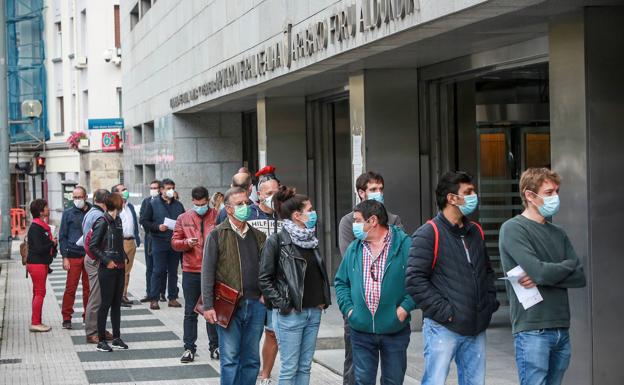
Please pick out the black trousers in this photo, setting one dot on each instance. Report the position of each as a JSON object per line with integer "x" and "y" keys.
{"x": 111, "y": 290}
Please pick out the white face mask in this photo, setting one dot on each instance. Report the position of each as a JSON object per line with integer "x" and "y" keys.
{"x": 170, "y": 193}
{"x": 154, "y": 192}
{"x": 79, "y": 203}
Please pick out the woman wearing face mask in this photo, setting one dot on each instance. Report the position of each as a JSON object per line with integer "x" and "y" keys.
{"x": 41, "y": 250}
{"x": 294, "y": 282}
{"x": 106, "y": 244}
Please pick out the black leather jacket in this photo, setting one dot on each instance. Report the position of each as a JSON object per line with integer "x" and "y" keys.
{"x": 282, "y": 273}
{"x": 106, "y": 242}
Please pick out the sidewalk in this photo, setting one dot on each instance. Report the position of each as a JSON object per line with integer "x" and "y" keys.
{"x": 62, "y": 357}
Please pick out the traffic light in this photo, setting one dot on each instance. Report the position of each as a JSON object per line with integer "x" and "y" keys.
{"x": 40, "y": 162}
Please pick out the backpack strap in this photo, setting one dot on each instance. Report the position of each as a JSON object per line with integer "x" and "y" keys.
{"x": 480, "y": 229}
{"x": 436, "y": 242}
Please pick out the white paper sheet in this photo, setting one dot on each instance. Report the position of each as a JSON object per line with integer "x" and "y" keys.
{"x": 170, "y": 223}
{"x": 527, "y": 297}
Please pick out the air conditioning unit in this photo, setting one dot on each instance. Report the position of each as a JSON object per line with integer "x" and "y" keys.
{"x": 81, "y": 62}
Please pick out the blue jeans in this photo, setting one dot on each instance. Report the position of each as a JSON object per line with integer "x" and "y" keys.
{"x": 165, "y": 267}
{"x": 239, "y": 344}
{"x": 542, "y": 356}
{"x": 296, "y": 338}
{"x": 443, "y": 345}
{"x": 191, "y": 285}
{"x": 367, "y": 348}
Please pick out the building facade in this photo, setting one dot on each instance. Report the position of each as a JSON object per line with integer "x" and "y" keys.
{"x": 326, "y": 89}
{"x": 81, "y": 50}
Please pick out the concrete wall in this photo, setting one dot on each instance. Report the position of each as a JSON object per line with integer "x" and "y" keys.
{"x": 390, "y": 130}
{"x": 192, "y": 149}
{"x": 586, "y": 134}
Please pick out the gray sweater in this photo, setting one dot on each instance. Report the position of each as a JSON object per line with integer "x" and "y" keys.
{"x": 345, "y": 229}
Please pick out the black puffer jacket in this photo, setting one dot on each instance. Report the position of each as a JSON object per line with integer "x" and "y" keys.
{"x": 282, "y": 273}
{"x": 455, "y": 287}
{"x": 106, "y": 242}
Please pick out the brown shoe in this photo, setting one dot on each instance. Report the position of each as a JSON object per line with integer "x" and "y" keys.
{"x": 174, "y": 303}
{"x": 93, "y": 339}
{"x": 40, "y": 328}
{"x": 109, "y": 335}
{"x": 154, "y": 305}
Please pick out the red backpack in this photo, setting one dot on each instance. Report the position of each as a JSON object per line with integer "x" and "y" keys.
{"x": 437, "y": 239}
{"x": 87, "y": 238}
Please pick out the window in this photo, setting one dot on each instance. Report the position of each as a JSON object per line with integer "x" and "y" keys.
{"x": 85, "y": 110}
{"x": 72, "y": 49}
{"x": 137, "y": 135}
{"x": 119, "y": 101}
{"x": 83, "y": 33}
{"x": 117, "y": 28}
{"x": 145, "y": 6}
{"x": 138, "y": 174}
{"x": 60, "y": 114}
{"x": 58, "y": 40}
{"x": 149, "y": 172}
{"x": 134, "y": 16}
{"x": 148, "y": 132}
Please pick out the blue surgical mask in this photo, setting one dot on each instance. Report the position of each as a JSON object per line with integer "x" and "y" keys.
{"x": 470, "y": 204}
{"x": 550, "y": 206}
{"x": 200, "y": 210}
{"x": 311, "y": 222}
{"x": 358, "y": 231}
{"x": 376, "y": 196}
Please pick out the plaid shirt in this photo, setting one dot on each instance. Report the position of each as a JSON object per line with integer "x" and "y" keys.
{"x": 372, "y": 288}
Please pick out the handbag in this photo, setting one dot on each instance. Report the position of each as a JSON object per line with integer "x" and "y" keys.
{"x": 24, "y": 250}
{"x": 225, "y": 302}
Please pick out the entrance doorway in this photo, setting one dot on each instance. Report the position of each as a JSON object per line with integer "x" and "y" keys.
{"x": 329, "y": 165}
{"x": 493, "y": 125}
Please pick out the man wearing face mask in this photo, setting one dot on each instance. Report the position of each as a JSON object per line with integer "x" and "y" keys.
{"x": 155, "y": 189}
{"x": 450, "y": 277}
{"x": 73, "y": 255}
{"x": 163, "y": 209}
{"x": 132, "y": 239}
{"x": 371, "y": 294}
{"x": 232, "y": 257}
{"x": 545, "y": 253}
{"x": 241, "y": 179}
{"x": 369, "y": 185}
{"x": 189, "y": 236}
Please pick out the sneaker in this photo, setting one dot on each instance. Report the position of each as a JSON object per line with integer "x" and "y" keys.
{"x": 40, "y": 328}
{"x": 162, "y": 298}
{"x": 154, "y": 305}
{"x": 174, "y": 303}
{"x": 67, "y": 324}
{"x": 102, "y": 346}
{"x": 266, "y": 381}
{"x": 214, "y": 354}
{"x": 188, "y": 356}
{"x": 119, "y": 344}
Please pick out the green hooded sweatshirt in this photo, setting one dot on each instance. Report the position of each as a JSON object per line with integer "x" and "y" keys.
{"x": 349, "y": 284}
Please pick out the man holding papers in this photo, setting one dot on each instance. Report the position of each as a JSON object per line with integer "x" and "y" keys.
{"x": 160, "y": 218}
{"x": 539, "y": 256}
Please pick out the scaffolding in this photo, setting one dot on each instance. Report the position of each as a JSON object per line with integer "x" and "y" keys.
{"x": 26, "y": 72}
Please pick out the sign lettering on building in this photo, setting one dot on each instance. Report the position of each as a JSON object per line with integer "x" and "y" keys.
{"x": 341, "y": 25}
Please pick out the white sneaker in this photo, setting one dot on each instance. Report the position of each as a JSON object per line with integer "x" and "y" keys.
{"x": 40, "y": 328}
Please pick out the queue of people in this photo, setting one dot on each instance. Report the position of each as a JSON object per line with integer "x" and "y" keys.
{"x": 252, "y": 265}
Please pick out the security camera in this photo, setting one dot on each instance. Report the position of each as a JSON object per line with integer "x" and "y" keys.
{"x": 107, "y": 55}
